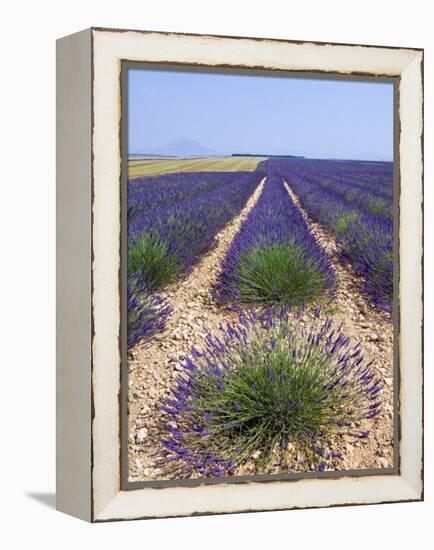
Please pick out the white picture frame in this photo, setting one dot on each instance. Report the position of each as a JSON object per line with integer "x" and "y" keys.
{"x": 89, "y": 378}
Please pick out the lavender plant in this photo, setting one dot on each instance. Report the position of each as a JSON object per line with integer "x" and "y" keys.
{"x": 147, "y": 313}
{"x": 268, "y": 386}
{"x": 274, "y": 258}
{"x": 150, "y": 256}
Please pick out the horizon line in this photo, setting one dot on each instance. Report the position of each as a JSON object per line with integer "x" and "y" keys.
{"x": 282, "y": 155}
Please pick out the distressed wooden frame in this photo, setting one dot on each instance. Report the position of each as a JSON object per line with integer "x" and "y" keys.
{"x": 89, "y": 275}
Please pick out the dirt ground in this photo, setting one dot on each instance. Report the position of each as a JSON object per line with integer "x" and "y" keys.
{"x": 152, "y": 367}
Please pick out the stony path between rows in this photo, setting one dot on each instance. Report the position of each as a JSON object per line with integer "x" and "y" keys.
{"x": 152, "y": 367}
{"x": 373, "y": 328}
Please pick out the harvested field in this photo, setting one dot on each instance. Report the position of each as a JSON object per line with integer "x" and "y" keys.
{"x": 152, "y": 167}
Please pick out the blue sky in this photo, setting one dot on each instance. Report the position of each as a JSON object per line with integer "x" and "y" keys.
{"x": 228, "y": 113}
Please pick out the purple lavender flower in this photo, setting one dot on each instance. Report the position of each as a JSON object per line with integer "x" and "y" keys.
{"x": 147, "y": 313}
{"x": 274, "y": 226}
{"x": 215, "y": 434}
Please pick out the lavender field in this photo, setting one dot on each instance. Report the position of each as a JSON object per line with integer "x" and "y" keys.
{"x": 354, "y": 201}
{"x": 260, "y": 310}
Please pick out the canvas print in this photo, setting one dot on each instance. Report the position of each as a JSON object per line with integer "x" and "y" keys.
{"x": 260, "y": 275}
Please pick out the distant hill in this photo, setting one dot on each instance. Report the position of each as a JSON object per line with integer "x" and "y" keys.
{"x": 183, "y": 147}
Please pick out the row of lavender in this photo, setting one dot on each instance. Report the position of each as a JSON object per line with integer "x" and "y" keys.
{"x": 377, "y": 176}
{"x": 172, "y": 222}
{"x": 371, "y": 192}
{"x": 274, "y": 259}
{"x": 354, "y": 201}
{"x": 148, "y": 193}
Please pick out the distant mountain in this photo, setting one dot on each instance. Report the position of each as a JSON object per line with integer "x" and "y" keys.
{"x": 184, "y": 147}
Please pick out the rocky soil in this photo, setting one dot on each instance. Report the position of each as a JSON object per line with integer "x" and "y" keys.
{"x": 152, "y": 367}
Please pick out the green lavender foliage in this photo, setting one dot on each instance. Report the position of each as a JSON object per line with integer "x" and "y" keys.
{"x": 273, "y": 387}
{"x": 280, "y": 274}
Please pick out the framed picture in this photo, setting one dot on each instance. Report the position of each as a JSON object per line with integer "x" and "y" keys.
{"x": 239, "y": 264}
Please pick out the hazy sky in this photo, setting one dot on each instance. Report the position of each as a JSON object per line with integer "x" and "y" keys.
{"x": 229, "y": 113}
